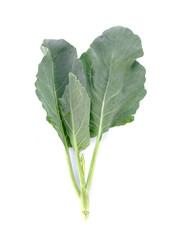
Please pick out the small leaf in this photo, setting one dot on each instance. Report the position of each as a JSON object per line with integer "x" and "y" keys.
{"x": 115, "y": 80}
{"x": 82, "y": 159}
{"x": 75, "y": 109}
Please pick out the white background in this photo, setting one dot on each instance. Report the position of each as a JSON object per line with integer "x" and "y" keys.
{"x": 134, "y": 191}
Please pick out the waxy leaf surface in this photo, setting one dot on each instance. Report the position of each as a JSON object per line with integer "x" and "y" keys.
{"x": 59, "y": 59}
{"x": 75, "y": 109}
{"x": 115, "y": 80}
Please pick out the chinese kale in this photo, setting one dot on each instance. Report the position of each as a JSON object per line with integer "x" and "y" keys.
{"x": 85, "y": 96}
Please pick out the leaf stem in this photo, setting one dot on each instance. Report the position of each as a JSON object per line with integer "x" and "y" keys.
{"x": 71, "y": 172}
{"x": 92, "y": 165}
{"x": 80, "y": 172}
{"x": 85, "y": 203}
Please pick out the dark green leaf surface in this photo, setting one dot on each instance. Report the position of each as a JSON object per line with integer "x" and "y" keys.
{"x": 59, "y": 59}
{"x": 115, "y": 80}
{"x": 75, "y": 109}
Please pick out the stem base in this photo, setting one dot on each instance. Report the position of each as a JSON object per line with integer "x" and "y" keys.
{"x": 85, "y": 203}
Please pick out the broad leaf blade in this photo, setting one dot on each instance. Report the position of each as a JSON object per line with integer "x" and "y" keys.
{"x": 115, "y": 81}
{"x": 75, "y": 109}
{"x": 59, "y": 59}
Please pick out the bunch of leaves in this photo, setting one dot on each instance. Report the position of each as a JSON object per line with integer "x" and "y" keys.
{"x": 85, "y": 96}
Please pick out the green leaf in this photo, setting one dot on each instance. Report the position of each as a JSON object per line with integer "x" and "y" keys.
{"x": 115, "y": 80}
{"x": 75, "y": 109}
{"x": 59, "y": 59}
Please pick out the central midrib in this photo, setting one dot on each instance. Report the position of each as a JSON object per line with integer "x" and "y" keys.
{"x": 104, "y": 98}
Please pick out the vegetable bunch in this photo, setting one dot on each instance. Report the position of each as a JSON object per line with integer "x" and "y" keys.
{"x": 85, "y": 96}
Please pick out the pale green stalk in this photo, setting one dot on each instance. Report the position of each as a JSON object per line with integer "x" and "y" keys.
{"x": 92, "y": 165}
{"x": 84, "y": 193}
{"x": 71, "y": 172}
